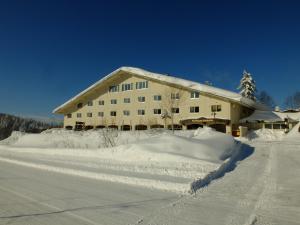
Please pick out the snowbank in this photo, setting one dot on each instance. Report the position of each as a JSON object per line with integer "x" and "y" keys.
{"x": 14, "y": 137}
{"x": 264, "y": 135}
{"x": 294, "y": 134}
{"x": 162, "y": 158}
{"x": 61, "y": 138}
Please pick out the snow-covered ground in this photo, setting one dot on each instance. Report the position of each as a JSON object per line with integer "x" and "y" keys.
{"x": 180, "y": 162}
{"x": 259, "y": 186}
{"x": 262, "y": 190}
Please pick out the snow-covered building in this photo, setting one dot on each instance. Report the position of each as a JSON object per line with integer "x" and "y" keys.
{"x": 271, "y": 120}
{"x": 132, "y": 98}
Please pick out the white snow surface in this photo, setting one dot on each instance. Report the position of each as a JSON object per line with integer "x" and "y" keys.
{"x": 173, "y": 80}
{"x": 153, "y": 159}
{"x": 294, "y": 134}
{"x": 270, "y": 116}
{"x": 266, "y": 135}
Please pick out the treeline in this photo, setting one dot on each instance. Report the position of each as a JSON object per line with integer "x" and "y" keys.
{"x": 291, "y": 102}
{"x": 10, "y": 123}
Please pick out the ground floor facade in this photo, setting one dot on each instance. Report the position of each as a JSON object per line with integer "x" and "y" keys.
{"x": 221, "y": 125}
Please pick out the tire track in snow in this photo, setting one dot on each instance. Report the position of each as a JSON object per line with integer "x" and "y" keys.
{"x": 269, "y": 185}
{"x": 84, "y": 219}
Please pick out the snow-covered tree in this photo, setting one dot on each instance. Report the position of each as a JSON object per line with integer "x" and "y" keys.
{"x": 247, "y": 86}
{"x": 10, "y": 123}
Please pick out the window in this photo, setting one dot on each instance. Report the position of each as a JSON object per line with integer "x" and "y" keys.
{"x": 194, "y": 109}
{"x": 113, "y": 113}
{"x": 113, "y": 101}
{"x": 89, "y": 114}
{"x": 114, "y": 88}
{"x": 126, "y": 112}
{"x": 69, "y": 115}
{"x": 276, "y": 126}
{"x": 79, "y": 105}
{"x": 175, "y": 96}
{"x": 101, "y": 102}
{"x": 78, "y": 115}
{"x": 141, "y": 99}
{"x": 283, "y": 126}
{"x": 195, "y": 94}
{"x": 175, "y": 110}
{"x": 157, "y": 111}
{"x": 157, "y": 97}
{"x": 141, "y": 85}
{"x": 268, "y": 126}
{"x": 127, "y": 87}
{"x": 216, "y": 108}
{"x": 90, "y": 103}
{"x": 100, "y": 114}
{"x": 126, "y": 100}
{"x": 141, "y": 112}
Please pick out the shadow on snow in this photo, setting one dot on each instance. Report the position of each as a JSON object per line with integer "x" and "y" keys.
{"x": 243, "y": 152}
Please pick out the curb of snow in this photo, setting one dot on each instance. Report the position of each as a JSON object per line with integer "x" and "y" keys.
{"x": 224, "y": 168}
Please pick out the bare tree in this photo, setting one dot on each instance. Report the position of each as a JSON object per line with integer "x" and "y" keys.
{"x": 110, "y": 135}
{"x": 266, "y": 99}
{"x": 170, "y": 103}
{"x": 293, "y": 101}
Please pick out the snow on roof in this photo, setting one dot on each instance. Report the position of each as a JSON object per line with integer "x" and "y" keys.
{"x": 270, "y": 116}
{"x": 172, "y": 80}
{"x": 291, "y": 115}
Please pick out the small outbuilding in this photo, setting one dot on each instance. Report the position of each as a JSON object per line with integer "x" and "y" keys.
{"x": 260, "y": 119}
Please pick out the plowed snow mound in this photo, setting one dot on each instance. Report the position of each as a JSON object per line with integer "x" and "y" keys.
{"x": 266, "y": 135}
{"x": 294, "y": 134}
{"x": 156, "y": 159}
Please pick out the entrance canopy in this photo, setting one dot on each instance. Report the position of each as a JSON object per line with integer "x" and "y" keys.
{"x": 204, "y": 121}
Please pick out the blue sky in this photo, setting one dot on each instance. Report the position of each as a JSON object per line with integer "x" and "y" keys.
{"x": 51, "y": 50}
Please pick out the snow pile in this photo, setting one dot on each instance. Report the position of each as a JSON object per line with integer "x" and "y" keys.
{"x": 14, "y": 137}
{"x": 266, "y": 135}
{"x": 294, "y": 134}
{"x": 205, "y": 145}
{"x": 61, "y": 138}
{"x": 155, "y": 159}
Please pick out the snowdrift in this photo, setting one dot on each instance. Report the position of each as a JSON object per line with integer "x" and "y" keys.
{"x": 156, "y": 159}
{"x": 266, "y": 135}
{"x": 294, "y": 134}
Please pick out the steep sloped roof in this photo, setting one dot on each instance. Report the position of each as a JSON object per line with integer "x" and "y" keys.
{"x": 176, "y": 81}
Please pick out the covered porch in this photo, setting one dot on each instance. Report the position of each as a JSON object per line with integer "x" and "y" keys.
{"x": 219, "y": 124}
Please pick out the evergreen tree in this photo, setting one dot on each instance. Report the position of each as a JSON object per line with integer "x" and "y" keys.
{"x": 10, "y": 123}
{"x": 247, "y": 86}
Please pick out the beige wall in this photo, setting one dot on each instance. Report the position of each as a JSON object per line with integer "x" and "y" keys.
{"x": 229, "y": 111}
{"x": 238, "y": 112}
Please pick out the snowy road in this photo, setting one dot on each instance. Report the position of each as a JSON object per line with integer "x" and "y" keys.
{"x": 264, "y": 188}
{"x": 32, "y": 196}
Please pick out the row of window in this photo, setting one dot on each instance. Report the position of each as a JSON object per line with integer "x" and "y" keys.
{"x": 129, "y": 86}
{"x": 141, "y": 98}
{"x": 275, "y": 126}
{"x": 193, "y": 109}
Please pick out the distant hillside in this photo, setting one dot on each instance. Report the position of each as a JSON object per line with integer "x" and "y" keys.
{"x": 10, "y": 123}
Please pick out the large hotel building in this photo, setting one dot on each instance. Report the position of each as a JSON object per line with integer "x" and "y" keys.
{"x": 134, "y": 99}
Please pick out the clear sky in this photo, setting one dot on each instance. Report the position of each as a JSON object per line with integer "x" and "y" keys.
{"x": 51, "y": 50}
